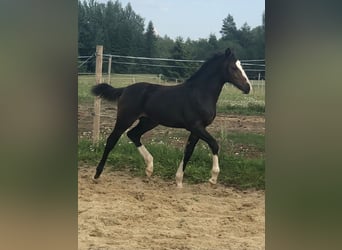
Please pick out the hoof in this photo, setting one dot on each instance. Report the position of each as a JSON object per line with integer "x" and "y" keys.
{"x": 97, "y": 174}
{"x": 212, "y": 181}
{"x": 148, "y": 173}
{"x": 95, "y": 180}
{"x": 179, "y": 184}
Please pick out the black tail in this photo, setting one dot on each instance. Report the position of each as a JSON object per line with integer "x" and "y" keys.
{"x": 107, "y": 92}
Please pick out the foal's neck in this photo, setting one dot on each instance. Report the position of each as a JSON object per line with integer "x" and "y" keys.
{"x": 209, "y": 86}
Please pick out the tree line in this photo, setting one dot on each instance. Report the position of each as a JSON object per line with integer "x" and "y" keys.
{"x": 122, "y": 31}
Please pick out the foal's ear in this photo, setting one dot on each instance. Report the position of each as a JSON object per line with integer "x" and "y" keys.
{"x": 228, "y": 52}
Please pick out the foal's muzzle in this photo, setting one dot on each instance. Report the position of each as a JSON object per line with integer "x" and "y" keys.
{"x": 246, "y": 89}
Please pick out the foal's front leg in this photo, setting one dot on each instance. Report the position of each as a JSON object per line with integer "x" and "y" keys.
{"x": 215, "y": 170}
{"x": 205, "y": 136}
{"x": 148, "y": 158}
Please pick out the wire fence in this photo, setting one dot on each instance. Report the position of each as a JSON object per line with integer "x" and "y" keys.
{"x": 255, "y": 68}
{"x": 251, "y": 66}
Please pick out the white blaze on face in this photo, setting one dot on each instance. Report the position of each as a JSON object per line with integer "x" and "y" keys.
{"x": 238, "y": 65}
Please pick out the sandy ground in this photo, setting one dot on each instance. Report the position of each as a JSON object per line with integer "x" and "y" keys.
{"x": 125, "y": 212}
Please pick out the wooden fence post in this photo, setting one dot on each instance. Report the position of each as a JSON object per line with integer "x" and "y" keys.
{"x": 97, "y": 100}
{"x": 109, "y": 68}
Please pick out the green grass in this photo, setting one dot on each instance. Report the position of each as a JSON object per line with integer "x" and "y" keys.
{"x": 231, "y": 100}
{"x": 236, "y": 170}
{"x": 255, "y": 140}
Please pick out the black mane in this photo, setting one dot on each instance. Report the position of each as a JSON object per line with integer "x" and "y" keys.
{"x": 205, "y": 68}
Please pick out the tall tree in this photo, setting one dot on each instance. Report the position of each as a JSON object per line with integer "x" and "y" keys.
{"x": 164, "y": 46}
{"x": 228, "y": 29}
{"x": 131, "y": 32}
{"x": 179, "y": 51}
{"x": 213, "y": 43}
{"x": 84, "y": 33}
{"x": 112, "y": 16}
{"x": 244, "y": 35}
{"x": 150, "y": 40}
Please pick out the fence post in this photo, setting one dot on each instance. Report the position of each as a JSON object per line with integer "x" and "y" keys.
{"x": 97, "y": 100}
{"x": 109, "y": 68}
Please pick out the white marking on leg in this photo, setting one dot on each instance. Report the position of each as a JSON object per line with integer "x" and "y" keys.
{"x": 148, "y": 158}
{"x": 215, "y": 170}
{"x": 179, "y": 175}
{"x": 238, "y": 64}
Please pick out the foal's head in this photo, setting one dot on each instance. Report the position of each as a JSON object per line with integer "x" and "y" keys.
{"x": 234, "y": 73}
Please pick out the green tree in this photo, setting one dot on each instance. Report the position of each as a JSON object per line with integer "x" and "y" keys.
{"x": 121, "y": 31}
{"x": 164, "y": 46}
{"x": 244, "y": 35}
{"x": 112, "y": 17}
{"x": 150, "y": 40}
{"x": 228, "y": 29}
{"x": 181, "y": 69}
{"x": 213, "y": 43}
{"x": 131, "y": 32}
{"x": 84, "y": 33}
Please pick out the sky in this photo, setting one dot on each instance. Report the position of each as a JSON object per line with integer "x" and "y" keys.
{"x": 195, "y": 19}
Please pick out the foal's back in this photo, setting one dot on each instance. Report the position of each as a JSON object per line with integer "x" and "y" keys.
{"x": 162, "y": 104}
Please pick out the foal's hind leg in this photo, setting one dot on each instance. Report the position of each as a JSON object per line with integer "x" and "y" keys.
{"x": 145, "y": 124}
{"x": 120, "y": 127}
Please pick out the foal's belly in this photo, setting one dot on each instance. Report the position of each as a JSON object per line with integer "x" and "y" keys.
{"x": 165, "y": 119}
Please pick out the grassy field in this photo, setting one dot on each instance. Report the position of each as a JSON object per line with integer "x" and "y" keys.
{"x": 242, "y": 155}
{"x": 237, "y": 170}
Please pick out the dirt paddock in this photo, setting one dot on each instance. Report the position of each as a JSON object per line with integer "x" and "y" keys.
{"x": 125, "y": 212}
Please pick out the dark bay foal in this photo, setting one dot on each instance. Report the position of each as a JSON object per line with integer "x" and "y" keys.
{"x": 191, "y": 105}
